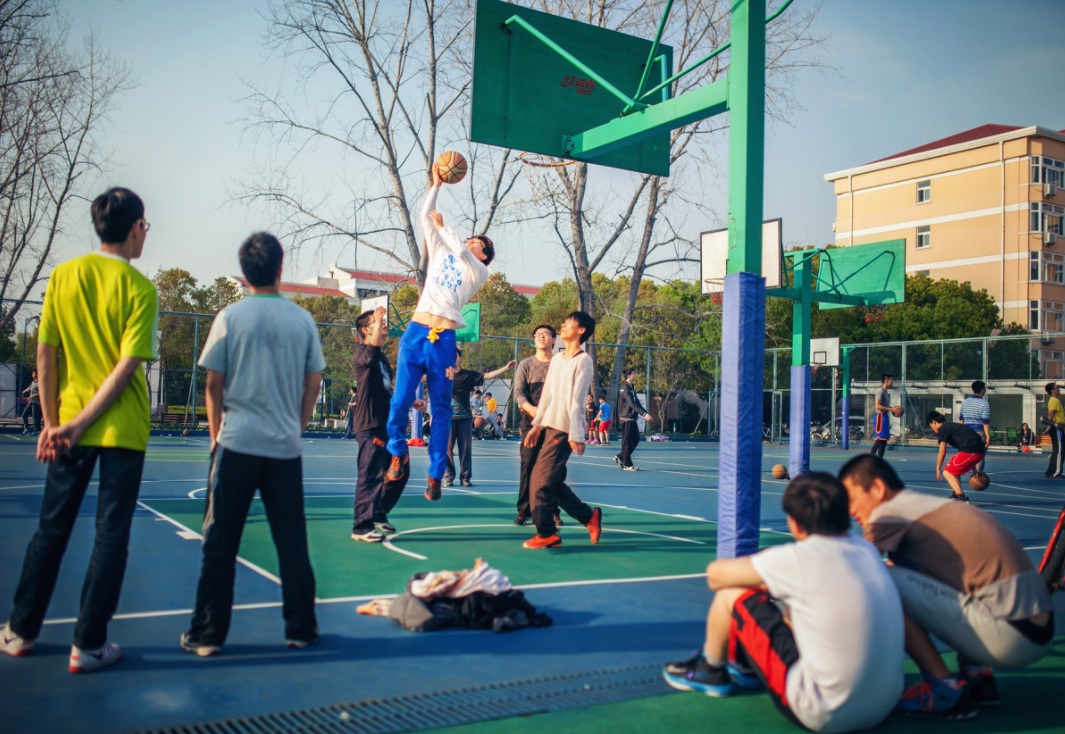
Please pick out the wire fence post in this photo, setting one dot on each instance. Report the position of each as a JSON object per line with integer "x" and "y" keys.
{"x": 647, "y": 424}
{"x": 905, "y": 395}
{"x": 513, "y": 399}
{"x": 195, "y": 363}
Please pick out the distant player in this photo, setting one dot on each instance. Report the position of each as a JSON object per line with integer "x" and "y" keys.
{"x": 629, "y": 410}
{"x": 557, "y": 431}
{"x": 456, "y": 271}
{"x": 975, "y": 412}
{"x": 605, "y": 411}
{"x": 970, "y": 448}
{"x": 882, "y": 409}
{"x": 1055, "y": 420}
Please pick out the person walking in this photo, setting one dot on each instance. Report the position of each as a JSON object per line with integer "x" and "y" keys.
{"x": 352, "y": 402}
{"x": 103, "y": 314}
{"x": 264, "y": 367}
{"x": 629, "y": 409}
{"x": 33, "y": 406}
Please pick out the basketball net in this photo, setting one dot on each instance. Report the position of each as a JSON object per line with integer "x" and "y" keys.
{"x": 541, "y": 173}
{"x": 875, "y": 314}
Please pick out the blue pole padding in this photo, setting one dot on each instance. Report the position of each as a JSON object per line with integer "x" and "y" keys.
{"x": 739, "y": 502}
{"x": 799, "y": 443}
{"x": 846, "y": 434}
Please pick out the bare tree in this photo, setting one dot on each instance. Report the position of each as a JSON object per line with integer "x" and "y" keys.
{"x": 397, "y": 85}
{"x": 52, "y": 101}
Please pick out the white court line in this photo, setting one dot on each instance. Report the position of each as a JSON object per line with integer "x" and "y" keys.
{"x": 1036, "y": 547}
{"x": 371, "y": 597}
{"x": 193, "y": 535}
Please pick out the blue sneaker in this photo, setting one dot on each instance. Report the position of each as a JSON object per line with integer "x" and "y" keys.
{"x": 695, "y": 675}
{"x": 744, "y": 677}
{"x": 936, "y": 698}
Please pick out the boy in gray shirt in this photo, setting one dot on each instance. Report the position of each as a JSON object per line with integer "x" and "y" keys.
{"x": 264, "y": 366}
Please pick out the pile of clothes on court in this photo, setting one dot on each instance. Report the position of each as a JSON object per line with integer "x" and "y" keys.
{"x": 481, "y": 598}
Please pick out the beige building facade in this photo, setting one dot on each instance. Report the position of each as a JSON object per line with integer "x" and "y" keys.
{"x": 985, "y": 206}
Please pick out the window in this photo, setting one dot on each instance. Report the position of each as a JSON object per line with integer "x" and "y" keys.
{"x": 1033, "y": 269}
{"x": 925, "y": 273}
{"x": 1046, "y": 316}
{"x": 924, "y": 191}
{"x": 1048, "y": 267}
{"x": 1033, "y": 315}
{"x": 1047, "y": 170}
{"x": 924, "y": 237}
{"x": 1044, "y": 217}
{"x": 1052, "y": 364}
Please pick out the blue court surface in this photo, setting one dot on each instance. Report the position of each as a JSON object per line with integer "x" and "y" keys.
{"x": 635, "y": 600}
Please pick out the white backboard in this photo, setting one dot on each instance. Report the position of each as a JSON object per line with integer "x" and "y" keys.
{"x": 714, "y": 260}
{"x": 372, "y": 304}
{"x": 824, "y": 352}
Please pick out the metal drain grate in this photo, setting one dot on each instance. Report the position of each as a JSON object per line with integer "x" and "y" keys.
{"x": 449, "y": 708}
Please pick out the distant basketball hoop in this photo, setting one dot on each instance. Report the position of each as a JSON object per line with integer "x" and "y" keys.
{"x": 875, "y": 313}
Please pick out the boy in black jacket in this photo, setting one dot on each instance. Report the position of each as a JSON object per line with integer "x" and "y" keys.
{"x": 629, "y": 409}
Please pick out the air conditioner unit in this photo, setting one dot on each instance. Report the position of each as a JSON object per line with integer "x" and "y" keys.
{"x": 1050, "y": 190}
{"x": 1047, "y": 338}
{"x": 1049, "y": 238}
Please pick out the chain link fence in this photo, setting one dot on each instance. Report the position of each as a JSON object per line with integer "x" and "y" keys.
{"x": 679, "y": 388}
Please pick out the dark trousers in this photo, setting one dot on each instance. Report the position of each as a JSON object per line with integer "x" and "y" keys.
{"x": 231, "y": 485}
{"x": 64, "y": 488}
{"x": 462, "y": 437}
{"x": 1056, "y": 453}
{"x": 528, "y": 457}
{"x": 375, "y": 496}
{"x": 32, "y": 409}
{"x": 351, "y": 421}
{"x": 630, "y": 436}
{"x": 879, "y": 446}
{"x": 547, "y": 486}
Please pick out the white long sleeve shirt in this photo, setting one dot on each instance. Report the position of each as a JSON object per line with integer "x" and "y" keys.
{"x": 562, "y": 400}
{"x": 454, "y": 274}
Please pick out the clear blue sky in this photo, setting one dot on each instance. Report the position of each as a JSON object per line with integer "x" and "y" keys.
{"x": 909, "y": 71}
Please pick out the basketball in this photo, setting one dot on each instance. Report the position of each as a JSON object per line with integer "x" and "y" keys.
{"x": 901, "y": 411}
{"x": 452, "y": 166}
{"x": 979, "y": 481}
{"x": 479, "y": 421}
{"x": 780, "y": 472}
{"x": 185, "y": 432}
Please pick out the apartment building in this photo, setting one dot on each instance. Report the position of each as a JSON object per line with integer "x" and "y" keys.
{"x": 985, "y": 206}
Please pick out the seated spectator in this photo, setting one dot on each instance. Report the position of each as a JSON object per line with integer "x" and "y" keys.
{"x": 832, "y": 662}
{"x": 1025, "y": 436}
{"x": 963, "y": 578}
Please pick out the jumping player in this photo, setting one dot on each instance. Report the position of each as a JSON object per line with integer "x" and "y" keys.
{"x": 881, "y": 423}
{"x": 456, "y": 271}
{"x": 557, "y": 431}
{"x": 971, "y": 450}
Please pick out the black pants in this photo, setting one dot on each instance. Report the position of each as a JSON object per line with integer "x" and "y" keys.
{"x": 1056, "y": 453}
{"x": 350, "y": 423}
{"x": 528, "y": 457}
{"x": 231, "y": 485}
{"x": 32, "y": 408}
{"x": 64, "y": 488}
{"x": 630, "y": 436}
{"x": 462, "y": 437}
{"x": 879, "y": 445}
{"x": 547, "y": 486}
{"x": 375, "y": 495}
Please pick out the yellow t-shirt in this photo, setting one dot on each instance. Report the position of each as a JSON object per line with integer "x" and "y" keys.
{"x": 1055, "y": 411}
{"x": 492, "y": 405}
{"x": 98, "y": 309}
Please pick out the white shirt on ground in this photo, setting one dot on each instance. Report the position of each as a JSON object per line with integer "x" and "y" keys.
{"x": 847, "y": 619}
{"x": 454, "y": 274}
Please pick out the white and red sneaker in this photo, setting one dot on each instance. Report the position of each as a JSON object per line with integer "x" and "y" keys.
{"x": 12, "y": 644}
{"x": 86, "y": 661}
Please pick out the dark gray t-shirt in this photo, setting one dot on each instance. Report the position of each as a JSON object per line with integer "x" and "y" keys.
{"x": 264, "y": 345}
{"x": 528, "y": 386}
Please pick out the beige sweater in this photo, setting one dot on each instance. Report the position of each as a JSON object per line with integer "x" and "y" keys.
{"x": 562, "y": 401}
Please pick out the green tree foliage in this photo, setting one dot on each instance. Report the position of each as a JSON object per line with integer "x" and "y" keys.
{"x": 338, "y": 343}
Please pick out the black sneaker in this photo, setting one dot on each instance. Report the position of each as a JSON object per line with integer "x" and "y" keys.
{"x": 197, "y": 648}
{"x": 960, "y": 498}
{"x": 467, "y": 483}
{"x": 617, "y": 460}
{"x": 522, "y": 518}
{"x": 446, "y": 482}
{"x": 695, "y": 675}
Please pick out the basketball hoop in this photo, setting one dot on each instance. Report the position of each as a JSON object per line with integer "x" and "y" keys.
{"x": 540, "y": 172}
{"x": 875, "y": 313}
{"x": 716, "y": 289}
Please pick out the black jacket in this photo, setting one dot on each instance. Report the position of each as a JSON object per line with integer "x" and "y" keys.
{"x": 629, "y": 407}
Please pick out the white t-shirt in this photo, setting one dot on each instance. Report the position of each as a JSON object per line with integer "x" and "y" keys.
{"x": 454, "y": 274}
{"x": 847, "y": 619}
{"x": 264, "y": 345}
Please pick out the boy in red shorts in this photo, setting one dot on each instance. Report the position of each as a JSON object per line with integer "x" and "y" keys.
{"x": 970, "y": 446}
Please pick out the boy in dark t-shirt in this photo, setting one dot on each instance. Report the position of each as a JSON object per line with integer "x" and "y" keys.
{"x": 970, "y": 446}
{"x": 375, "y": 496}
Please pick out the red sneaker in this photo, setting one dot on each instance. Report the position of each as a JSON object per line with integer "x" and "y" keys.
{"x": 432, "y": 493}
{"x": 595, "y": 525}
{"x": 551, "y": 541}
{"x": 395, "y": 469}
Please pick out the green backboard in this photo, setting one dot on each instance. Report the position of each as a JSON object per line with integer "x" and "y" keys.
{"x": 876, "y": 272}
{"x": 528, "y": 97}
{"x": 471, "y": 314}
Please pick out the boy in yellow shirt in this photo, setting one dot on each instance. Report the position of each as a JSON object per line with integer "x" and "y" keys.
{"x": 102, "y": 312}
{"x": 1055, "y": 420}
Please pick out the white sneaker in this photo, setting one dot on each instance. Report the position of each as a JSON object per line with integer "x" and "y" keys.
{"x": 197, "y": 648}
{"x": 385, "y": 527}
{"x": 632, "y": 468}
{"x": 370, "y": 536}
{"x": 86, "y": 661}
{"x": 12, "y": 644}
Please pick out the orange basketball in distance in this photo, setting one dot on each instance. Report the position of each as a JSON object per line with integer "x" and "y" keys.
{"x": 452, "y": 167}
{"x": 780, "y": 472}
{"x": 979, "y": 481}
{"x": 479, "y": 422}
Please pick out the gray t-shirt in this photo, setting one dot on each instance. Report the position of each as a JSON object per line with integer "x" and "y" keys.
{"x": 883, "y": 397}
{"x": 264, "y": 345}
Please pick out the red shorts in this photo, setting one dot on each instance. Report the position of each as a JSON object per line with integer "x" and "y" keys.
{"x": 604, "y": 426}
{"x": 961, "y": 463}
{"x": 762, "y": 640}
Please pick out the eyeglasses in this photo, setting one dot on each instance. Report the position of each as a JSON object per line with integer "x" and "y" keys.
{"x": 147, "y": 224}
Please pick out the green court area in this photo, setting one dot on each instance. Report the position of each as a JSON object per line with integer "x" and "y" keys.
{"x": 461, "y": 528}
{"x": 1030, "y": 703}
